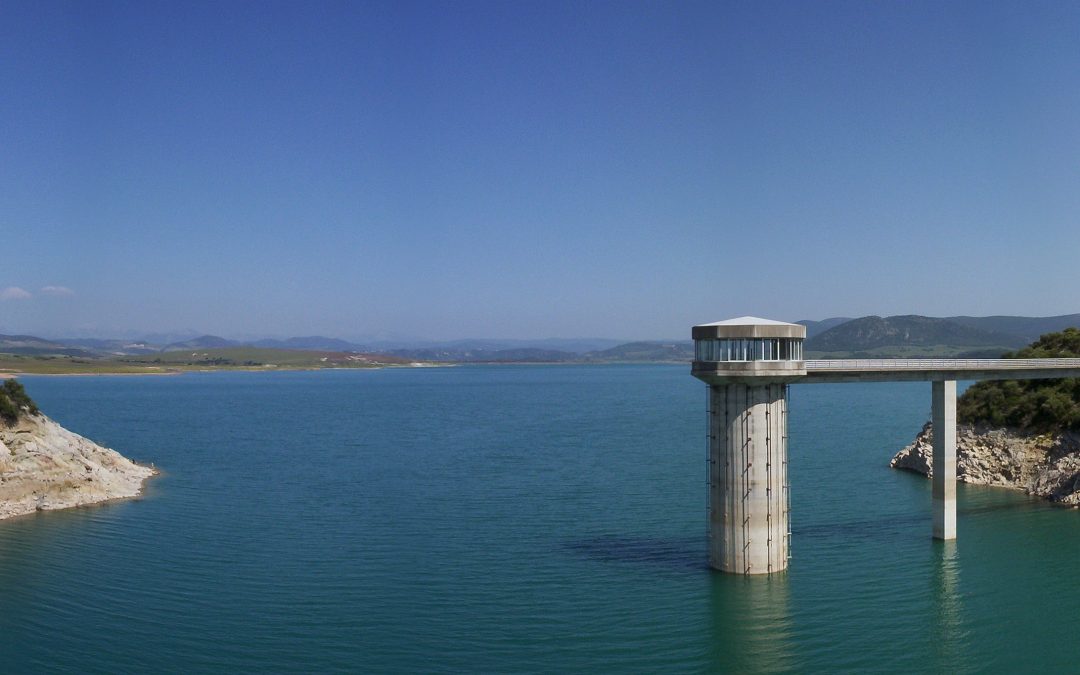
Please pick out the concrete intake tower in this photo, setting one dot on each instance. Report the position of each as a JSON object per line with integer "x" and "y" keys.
{"x": 748, "y": 363}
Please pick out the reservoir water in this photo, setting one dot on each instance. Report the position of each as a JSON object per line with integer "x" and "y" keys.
{"x": 511, "y": 519}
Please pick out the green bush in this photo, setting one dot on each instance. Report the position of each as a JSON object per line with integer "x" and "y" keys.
{"x": 14, "y": 401}
{"x": 1034, "y": 405}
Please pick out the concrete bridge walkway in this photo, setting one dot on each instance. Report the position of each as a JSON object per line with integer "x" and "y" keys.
{"x": 895, "y": 370}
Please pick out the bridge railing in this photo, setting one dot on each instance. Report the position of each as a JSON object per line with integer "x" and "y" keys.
{"x": 939, "y": 364}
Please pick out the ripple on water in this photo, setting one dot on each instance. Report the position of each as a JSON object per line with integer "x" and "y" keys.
{"x": 511, "y": 519}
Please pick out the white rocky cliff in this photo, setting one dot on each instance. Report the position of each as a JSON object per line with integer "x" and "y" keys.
{"x": 44, "y": 466}
{"x": 1046, "y": 465}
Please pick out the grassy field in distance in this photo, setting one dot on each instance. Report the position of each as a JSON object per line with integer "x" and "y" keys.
{"x": 256, "y": 357}
{"x": 234, "y": 358}
{"x": 69, "y": 365}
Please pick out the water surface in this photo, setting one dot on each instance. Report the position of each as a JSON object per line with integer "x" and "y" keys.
{"x": 511, "y": 519}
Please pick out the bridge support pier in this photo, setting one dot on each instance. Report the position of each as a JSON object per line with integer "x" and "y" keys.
{"x": 748, "y": 486}
{"x": 944, "y": 420}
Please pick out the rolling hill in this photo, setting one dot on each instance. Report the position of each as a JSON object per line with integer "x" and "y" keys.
{"x": 1026, "y": 328}
{"x": 645, "y": 352}
{"x": 450, "y": 355}
{"x": 202, "y": 342}
{"x": 35, "y": 346}
{"x": 814, "y": 328}
{"x": 313, "y": 342}
{"x": 909, "y": 335}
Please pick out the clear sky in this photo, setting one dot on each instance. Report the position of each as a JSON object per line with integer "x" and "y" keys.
{"x": 533, "y": 169}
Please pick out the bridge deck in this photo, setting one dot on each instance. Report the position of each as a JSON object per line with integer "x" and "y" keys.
{"x": 892, "y": 370}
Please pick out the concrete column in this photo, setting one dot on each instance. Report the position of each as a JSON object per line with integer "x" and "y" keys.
{"x": 748, "y": 495}
{"x": 944, "y": 419}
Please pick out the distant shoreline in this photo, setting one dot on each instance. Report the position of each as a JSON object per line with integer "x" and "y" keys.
{"x": 5, "y": 375}
{"x": 8, "y": 376}
{"x": 448, "y": 364}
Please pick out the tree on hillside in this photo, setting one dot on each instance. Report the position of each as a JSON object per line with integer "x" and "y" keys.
{"x": 14, "y": 401}
{"x": 1033, "y": 405}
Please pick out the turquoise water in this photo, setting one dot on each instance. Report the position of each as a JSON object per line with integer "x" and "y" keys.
{"x": 511, "y": 519}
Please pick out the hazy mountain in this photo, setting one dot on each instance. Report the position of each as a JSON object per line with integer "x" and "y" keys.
{"x": 162, "y": 338}
{"x": 314, "y": 342}
{"x": 112, "y": 347}
{"x": 814, "y": 328}
{"x": 573, "y": 345}
{"x": 203, "y": 342}
{"x": 646, "y": 351}
{"x": 632, "y": 351}
{"x": 527, "y": 355}
{"x": 872, "y": 332}
{"x": 576, "y": 345}
{"x": 30, "y": 345}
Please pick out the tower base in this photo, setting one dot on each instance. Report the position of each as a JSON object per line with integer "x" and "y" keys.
{"x": 748, "y": 478}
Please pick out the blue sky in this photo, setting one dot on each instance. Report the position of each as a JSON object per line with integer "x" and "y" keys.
{"x": 545, "y": 169}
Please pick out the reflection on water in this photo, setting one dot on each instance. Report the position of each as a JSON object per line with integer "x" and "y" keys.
{"x": 948, "y": 636}
{"x": 751, "y": 625}
{"x": 749, "y": 618}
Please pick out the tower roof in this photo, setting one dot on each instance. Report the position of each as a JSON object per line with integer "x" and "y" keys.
{"x": 749, "y": 327}
{"x": 749, "y": 321}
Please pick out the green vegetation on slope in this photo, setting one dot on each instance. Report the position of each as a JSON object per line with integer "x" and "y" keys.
{"x": 1033, "y": 405}
{"x": 14, "y": 400}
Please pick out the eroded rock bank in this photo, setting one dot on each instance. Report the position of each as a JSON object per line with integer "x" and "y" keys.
{"x": 43, "y": 466}
{"x": 1047, "y": 465}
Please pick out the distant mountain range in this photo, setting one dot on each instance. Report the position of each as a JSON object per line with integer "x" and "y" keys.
{"x": 1028, "y": 329}
{"x": 914, "y": 335}
{"x": 314, "y": 343}
{"x": 95, "y": 346}
{"x": 29, "y": 345}
{"x": 458, "y": 351}
{"x": 632, "y": 351}
{"x": 871, "y": 332}
{"x": 837, "y": 337}
{"x": 203, "y": 342}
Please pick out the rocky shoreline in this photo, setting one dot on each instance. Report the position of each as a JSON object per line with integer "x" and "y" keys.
{"x": 1046, "y": 465}
{"x": 43, "y": 467}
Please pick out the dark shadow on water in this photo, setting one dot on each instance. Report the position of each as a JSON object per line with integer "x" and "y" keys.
{"x": 689, "y": 554}
{"x": 887, "y": 527}
{"x": 869, "y": 529}
{"x": 685, "y": 554}
{"x": 1032, "y": 504}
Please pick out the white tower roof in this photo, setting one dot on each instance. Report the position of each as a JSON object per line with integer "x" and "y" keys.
{"x": 749, "y": 321}
{"x": 749, "y": 327}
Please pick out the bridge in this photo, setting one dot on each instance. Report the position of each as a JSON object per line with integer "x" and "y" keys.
{"x": 748, "y": 364}
{"x": 930, "y": 370}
